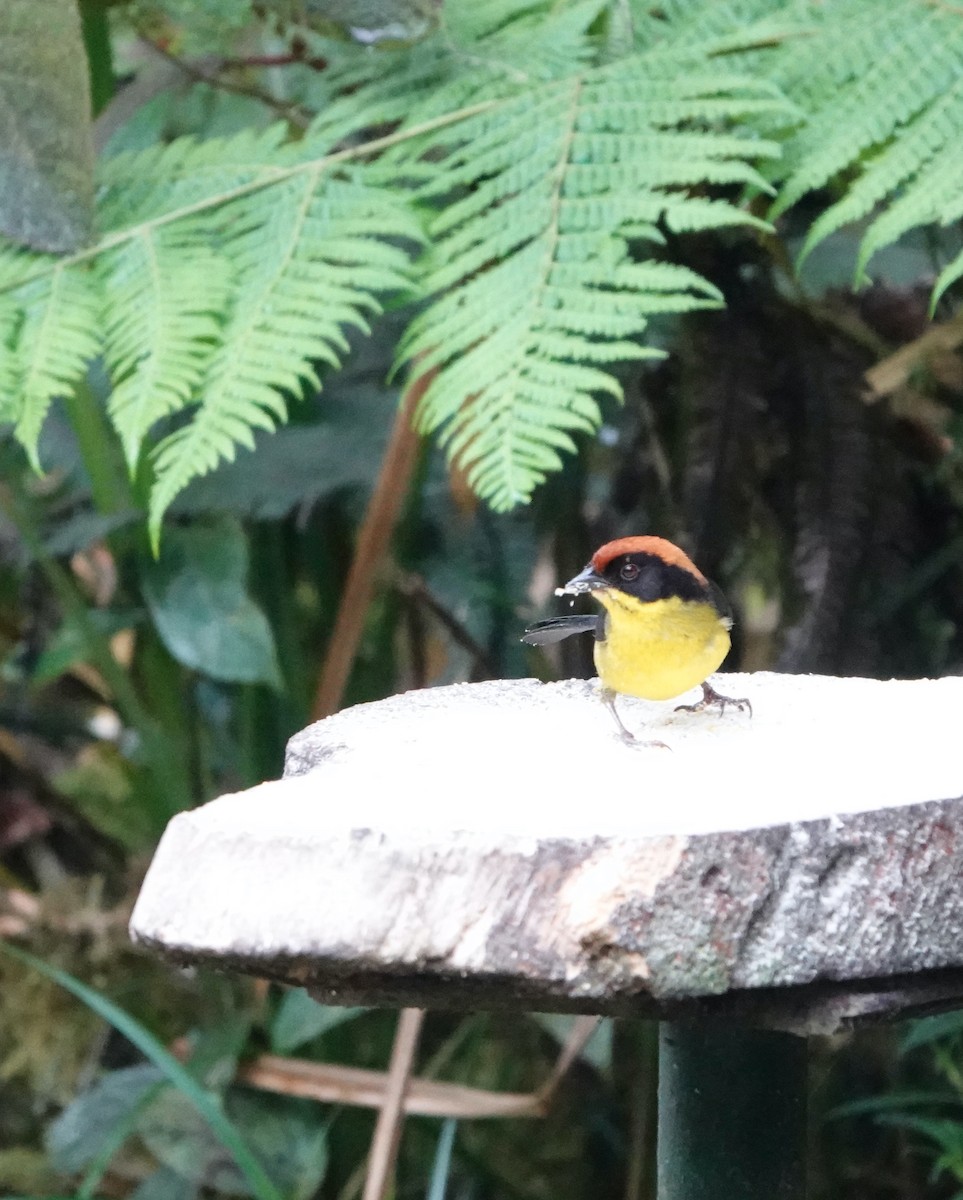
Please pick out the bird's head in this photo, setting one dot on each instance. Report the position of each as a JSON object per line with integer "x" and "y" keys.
{"x": 647, "y": 568}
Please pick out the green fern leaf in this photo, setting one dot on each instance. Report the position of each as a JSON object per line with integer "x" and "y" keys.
{"x": 947, "y": 277}
{"x": 483, "y": 52}
{"x": 923, "y": 139}
{"x": 885, "y": 98}
{"x": 312, "y": 256}
{"x": 935, "y": 196}
{"x": 166, "y": 289}
{"x": 186, "y": 173}
{"x": 535, "y": 289}
{"x": 691, "y": 22}
{"x": 547, "y": 176}
{"x": 10, "y": 317}
{"x": 59, "y": 335}
{"x": 914, "y": 57}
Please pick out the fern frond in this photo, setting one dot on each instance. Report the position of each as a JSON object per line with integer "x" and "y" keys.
{"x": 547, "y": 175}
{"x": 482, "y": 52}
{"x": 547, "y": 42}
{"x": 167, "y": 288}
{"x": 690, "y": 22}
{"x": 865, "y": 80}
{"x": 885, "y": 103}
{"x": 530, "y": 264}
{"x": 394, "y": 84}
{"x": 935, "y": 196}
{"x": 946, "y": 278}
{"x": 58, "y": 337}
{"x": 18, "y": 265}
{"x": 10, "y": 317}
{"x": 311, "y": 257}
{"x": 923, "y": 140}
{"x": 139, "y": 187}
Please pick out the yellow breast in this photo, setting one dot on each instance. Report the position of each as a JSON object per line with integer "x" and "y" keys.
{"x": 658, "y": 649}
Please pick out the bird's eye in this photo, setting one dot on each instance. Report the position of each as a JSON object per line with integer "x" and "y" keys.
{"x": 629, "y": 571}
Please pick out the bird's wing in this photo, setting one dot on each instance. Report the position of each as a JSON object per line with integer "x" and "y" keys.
{"x": 720, "y": 604}
{"x": 557, "y": 628}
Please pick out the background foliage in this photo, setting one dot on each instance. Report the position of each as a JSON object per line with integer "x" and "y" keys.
{"x": 693, "y": 267}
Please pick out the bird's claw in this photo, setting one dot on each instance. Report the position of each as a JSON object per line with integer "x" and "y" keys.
{"x": 713, "y": 699}
{"x": 642, "y": 743}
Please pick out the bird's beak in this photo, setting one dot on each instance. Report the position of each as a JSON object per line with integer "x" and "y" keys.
{"x": 587, "y": 580}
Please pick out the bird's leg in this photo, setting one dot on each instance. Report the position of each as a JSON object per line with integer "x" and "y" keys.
{"x": 608, "y": 699}
{"x": 712, "y": 699}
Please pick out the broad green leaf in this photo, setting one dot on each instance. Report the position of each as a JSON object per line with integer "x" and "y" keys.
{"x": 198, "y": 599}
{"x": 75, "y": 1138}
{"x": 179, "y": 1138}
{"x": 215, "y": 1050}
{"x": 46, "y": 144}
{"x": 288, "y": 1137}
{"x": 300, "y": 1018}
{"x": 85, "y": 527}
{"x": 932, "y": 1029}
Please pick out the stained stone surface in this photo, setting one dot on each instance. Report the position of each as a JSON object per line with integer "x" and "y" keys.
{"x": 497, "y": 845}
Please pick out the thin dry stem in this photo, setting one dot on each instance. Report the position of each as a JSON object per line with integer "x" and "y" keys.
{"x": 578, "y": 1036}
{"x": 380, "y": 519}
{"x": 331, "y": 1083}
{"x": 894, "y": 372}
{"x": 387, "y": 1134}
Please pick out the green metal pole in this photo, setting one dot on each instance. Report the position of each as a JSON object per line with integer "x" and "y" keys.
{"x": 732, "y": 1114}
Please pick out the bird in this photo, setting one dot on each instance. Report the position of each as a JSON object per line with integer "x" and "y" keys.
{"x": 664, "y": 627}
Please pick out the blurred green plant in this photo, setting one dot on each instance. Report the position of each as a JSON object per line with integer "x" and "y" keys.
{"x": 931, "y": 1050}
{"x": 542, "y": 199}
{"x": 541, "y": 156}
{"x": 67, "y": 1141}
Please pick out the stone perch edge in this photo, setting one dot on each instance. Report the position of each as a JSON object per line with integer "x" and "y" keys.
{"x": 496, "y": 845}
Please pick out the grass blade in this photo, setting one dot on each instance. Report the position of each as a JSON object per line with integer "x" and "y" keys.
{"x": 223, "y": 1129}
{"x": 442, "y": 1163}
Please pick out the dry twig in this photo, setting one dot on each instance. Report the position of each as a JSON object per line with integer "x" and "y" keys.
{"x": 380, "y": 519}
{"x": 387, "y": 1134}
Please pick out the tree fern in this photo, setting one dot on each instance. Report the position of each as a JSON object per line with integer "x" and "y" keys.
{"x": 542, "y": 151}
{"x": 884, "y": 99}
{"x": 693, "y": 22}
{"x": 168, "y": 288}
{"x": 172, "y": 181}
{"x": 536, "y": 290}
{"x": 56, "y": 339}
{"x": 878, "y": 96}
{"x": 307, "y": 267}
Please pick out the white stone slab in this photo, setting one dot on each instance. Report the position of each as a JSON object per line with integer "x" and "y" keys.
{"x": 499, "y": 844}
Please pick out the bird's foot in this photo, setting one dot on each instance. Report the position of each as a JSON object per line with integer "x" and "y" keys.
{"x": 627, "y": 736}
{"x": 712, "y": 699}
{"x": 645, "y": 743}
